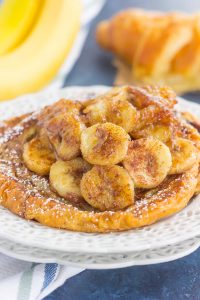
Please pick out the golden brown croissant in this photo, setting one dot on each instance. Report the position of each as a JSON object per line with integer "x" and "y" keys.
{"x": 156, "y": 47}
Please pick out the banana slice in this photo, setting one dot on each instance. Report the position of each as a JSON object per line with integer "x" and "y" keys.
{"x": 59, "y": 108}
{"x": 191, "y": 119}
{"x": 163, "y": 133}
{"x": 151, "y": 95}
{"x": 148, "y": 162}
{"x": 115, "y": 93}
{"x": 154, "y": 114}
{"x": 108, "y": 188}
{"x": 64, "y": 133}
{"x": 38, "y": 157}
{"x": 65, "y": 177}
{"x": 189, "y": 132}
{"x": 28, "y": 134}
{"x": 184, "y": 156}
{"x": 42, "y": 134}
{"x": 104, "y": 144}
{"x": 197, "y": 190}
{"x": 96, "y": 112}
{"x": 164, "y": 94}
{"x": 119, "y": 112}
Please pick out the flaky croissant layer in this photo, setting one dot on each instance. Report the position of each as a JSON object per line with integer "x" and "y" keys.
{"x": 161, "y": 48}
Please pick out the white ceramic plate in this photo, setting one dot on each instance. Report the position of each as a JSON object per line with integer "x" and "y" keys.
{"x": 178, "y": 228}
{"x": 99, "y": 261}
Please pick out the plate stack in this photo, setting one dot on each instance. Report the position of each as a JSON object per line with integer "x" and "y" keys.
{"x": 166, "y": 240}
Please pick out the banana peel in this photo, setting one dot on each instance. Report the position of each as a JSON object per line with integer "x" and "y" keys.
{"x": 35, "y": 62}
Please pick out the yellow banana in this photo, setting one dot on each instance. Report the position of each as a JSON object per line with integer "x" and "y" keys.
{"x": 17, "y": 19}
{"x": 36, "y": 61}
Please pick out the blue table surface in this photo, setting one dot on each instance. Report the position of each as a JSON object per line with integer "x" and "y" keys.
{"x": 178, "y": 279}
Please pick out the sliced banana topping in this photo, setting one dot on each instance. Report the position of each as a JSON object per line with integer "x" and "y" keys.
{"x": 38, "y": 157}
{"x": 64, "y": 133}
{"x": 197, "y": 190}
{"x": 119, "y": 112}
{"x": 104, "y": 144}
{"x": 28, "y": 134}
{"x": 189, "y": 132}
{"x": 96, "y": 112}
{"x": 108, "y": 188}
{"x": 163, "y": 133}
{"x": 148, "y": 162}
{"x": 42, "y": 135}
{"x": 61, "y": 107}
{"x": 154, "y": 115}
{"x": 65, "y": 177}
{"x": 184, "y": 156}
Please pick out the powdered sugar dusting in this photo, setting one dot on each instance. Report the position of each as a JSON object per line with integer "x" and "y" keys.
{"x": 12, "y": 165}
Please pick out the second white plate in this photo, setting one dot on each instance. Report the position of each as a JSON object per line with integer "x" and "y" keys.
{"x": 100, "y": 261}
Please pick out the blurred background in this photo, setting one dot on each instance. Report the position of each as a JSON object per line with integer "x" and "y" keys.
{"x": 47, "y": 44}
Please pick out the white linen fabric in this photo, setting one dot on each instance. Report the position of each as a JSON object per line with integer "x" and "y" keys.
{"x": 20, "y": 280}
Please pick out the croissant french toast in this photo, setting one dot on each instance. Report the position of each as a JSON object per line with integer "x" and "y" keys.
{"x": 154, "y": 48}
{"x": 120, "y": 173}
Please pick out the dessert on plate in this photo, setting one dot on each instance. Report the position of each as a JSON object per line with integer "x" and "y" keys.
{"x": 117, "y": 161}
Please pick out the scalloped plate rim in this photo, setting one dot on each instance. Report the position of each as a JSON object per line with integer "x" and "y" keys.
{"x": 110, "y": 265}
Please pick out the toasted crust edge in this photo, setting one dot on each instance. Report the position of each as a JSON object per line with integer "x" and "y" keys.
{"x": 14, "y": 197}
{"x": 53, "y": 213}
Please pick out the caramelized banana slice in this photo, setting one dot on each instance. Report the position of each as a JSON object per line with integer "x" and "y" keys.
{"x": 164, "y": 94}
{"x": 152, "y": 115}
{"x": 62, "y": 106}
{"x": 147, "y": 161}
{"x": 191, "y": 119}
{"x": 28, "y": 134}
{"x": 104, "y": 144}
{"x": 119, "y": 112}
{"x": 42, "y": 134}
{"x": 197, "y": 190}
{"x": 189, "y": 132}
{"x": 151, "y": 95}
{"x": 65, "y": 177}
{"x": 38, "y": 157}
{"x": 163, "y": 133}
{"x": 108, "y": 188}
{"x": 96, "y": 112}
{"x": 115, "y": 93}
{"x": 64, "y": 133}
{"x": 184, "y": 156}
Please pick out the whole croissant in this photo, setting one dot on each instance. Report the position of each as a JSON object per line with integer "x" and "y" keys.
{"x": 161, "y": 48}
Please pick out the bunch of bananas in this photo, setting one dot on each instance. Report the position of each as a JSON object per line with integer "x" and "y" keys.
{"x": 35, "y": 38}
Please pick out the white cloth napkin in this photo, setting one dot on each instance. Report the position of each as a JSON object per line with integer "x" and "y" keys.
{"x": 20, "y": 280}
